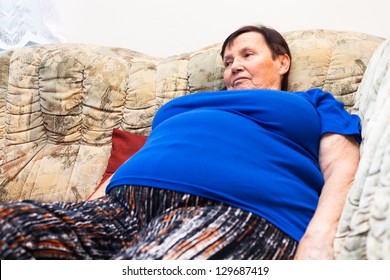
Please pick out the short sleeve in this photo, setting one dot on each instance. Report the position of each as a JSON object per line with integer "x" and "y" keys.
{"x": 334, "y": 118}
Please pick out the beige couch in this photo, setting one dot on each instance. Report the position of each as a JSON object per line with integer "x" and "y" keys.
{"x": 60, "y": 103}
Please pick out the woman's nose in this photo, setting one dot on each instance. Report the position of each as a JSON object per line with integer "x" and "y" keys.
{"x": 236, "y": 66}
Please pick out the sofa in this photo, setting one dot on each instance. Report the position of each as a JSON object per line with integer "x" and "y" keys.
{"x": 70, "y": 114}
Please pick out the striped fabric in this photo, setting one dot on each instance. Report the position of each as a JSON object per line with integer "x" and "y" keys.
{"x": 134, "y": 222}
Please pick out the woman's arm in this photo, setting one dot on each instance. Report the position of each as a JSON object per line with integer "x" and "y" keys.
{"x": 339, "y": 158}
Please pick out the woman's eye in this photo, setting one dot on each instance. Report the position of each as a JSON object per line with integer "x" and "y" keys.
{"x": 248, "y": 54}
{"x": 228, "y": 63}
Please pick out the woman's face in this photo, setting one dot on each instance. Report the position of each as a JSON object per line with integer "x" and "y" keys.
{"x": 249, "y": 64}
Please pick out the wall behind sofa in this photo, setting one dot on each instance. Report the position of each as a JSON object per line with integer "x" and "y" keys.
{"x": 169, "y": 27}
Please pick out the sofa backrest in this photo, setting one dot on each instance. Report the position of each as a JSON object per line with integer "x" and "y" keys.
{"x": 59, "y": 103}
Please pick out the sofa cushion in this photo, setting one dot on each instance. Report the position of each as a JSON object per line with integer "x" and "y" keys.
{"x": 124, "y": 145}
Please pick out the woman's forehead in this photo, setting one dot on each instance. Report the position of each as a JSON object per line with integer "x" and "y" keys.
{"x": 245, "y": 40}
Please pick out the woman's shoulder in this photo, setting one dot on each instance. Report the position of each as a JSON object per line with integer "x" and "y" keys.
{"x": 317, "y": 96}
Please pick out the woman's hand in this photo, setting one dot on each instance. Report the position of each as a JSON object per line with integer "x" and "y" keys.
{"x": 101, "y": 191}
{"x": 317, "y": 244}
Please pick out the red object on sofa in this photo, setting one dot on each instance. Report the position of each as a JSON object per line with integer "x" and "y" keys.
{"x": 124, "y": 145}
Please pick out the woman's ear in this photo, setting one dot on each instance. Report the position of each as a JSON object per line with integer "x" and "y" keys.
{"x": 285, "y": 63}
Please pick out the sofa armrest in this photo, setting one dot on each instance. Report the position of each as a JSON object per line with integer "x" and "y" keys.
{"x": 364, "y": 230}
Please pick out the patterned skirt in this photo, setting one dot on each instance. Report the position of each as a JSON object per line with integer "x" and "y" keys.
{"x": 134, "y": 222}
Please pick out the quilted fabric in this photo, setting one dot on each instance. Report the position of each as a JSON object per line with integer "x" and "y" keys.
{"x": 364, "y": 230}
{"x": 59, "y": 106}
{"x": 60, "y": 103}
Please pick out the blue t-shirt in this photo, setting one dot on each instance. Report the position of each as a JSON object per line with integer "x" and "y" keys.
{"x": 253, "y": 149}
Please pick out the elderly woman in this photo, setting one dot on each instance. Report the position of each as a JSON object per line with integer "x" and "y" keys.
{"x": 253, "y": 172}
